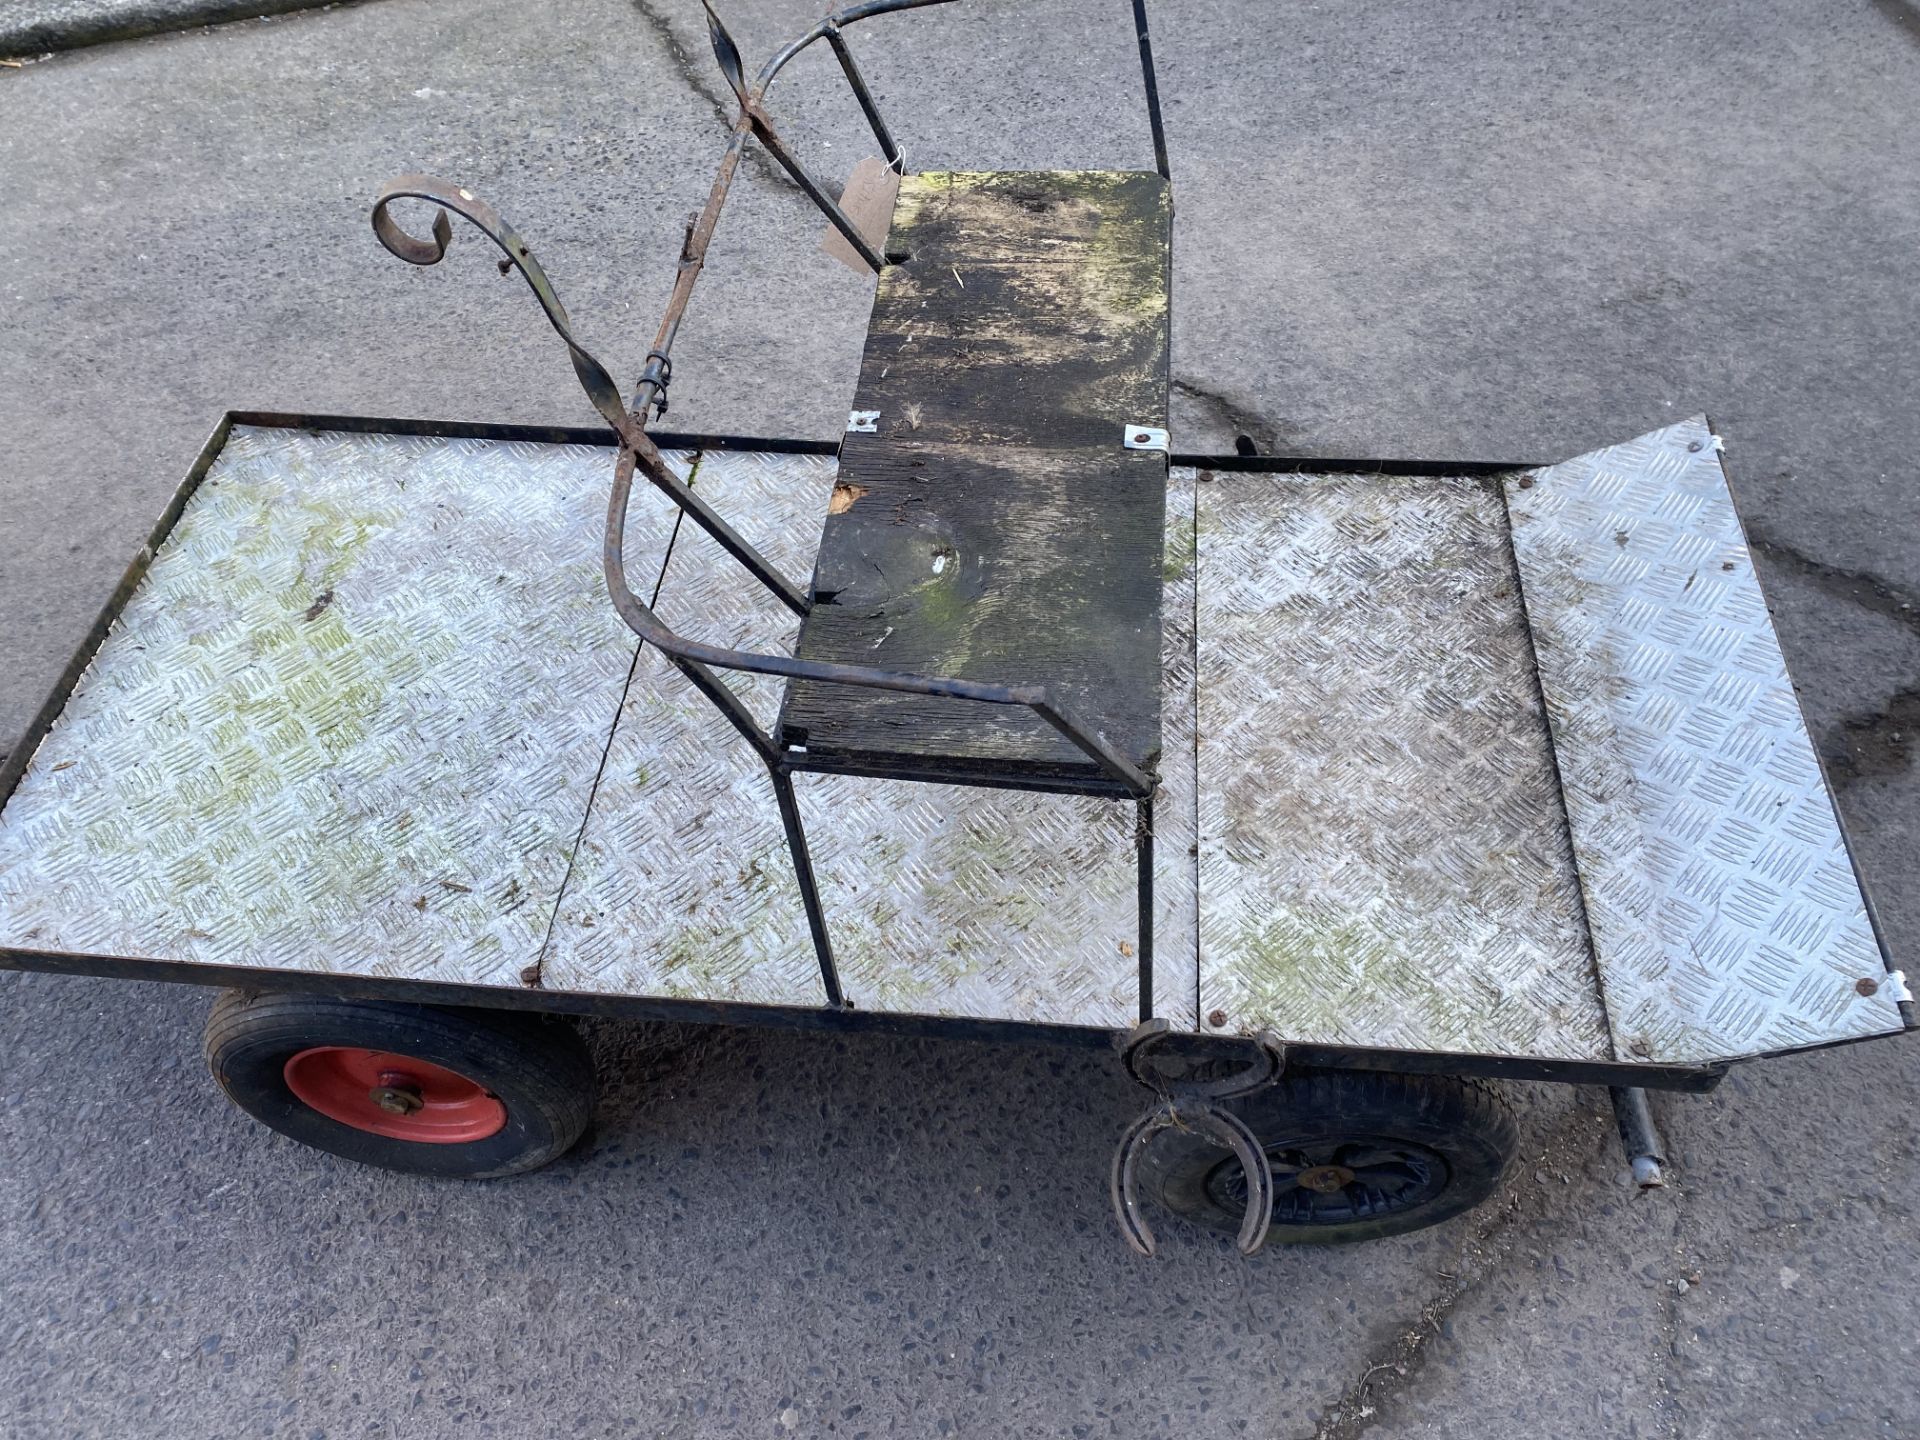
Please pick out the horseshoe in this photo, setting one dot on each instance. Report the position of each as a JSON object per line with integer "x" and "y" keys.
{"x": 1220, "y": 1126}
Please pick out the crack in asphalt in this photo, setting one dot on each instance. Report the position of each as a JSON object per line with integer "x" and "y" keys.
{"x": 695, "y": 76}
{"x": 1270, "y": 437}
{"x": 1395, "y": 1369}
{"x": 1870, "y": 744}
{"x": 1871, "y": 592}
{"x": 1903, "y": 14}
{"x": 1874, "y": 744}
{"x": 1667, "y": 1356}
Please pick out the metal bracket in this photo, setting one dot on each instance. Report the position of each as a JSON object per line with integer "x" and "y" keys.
{"x": 1146, "y": 437}
{"x": 1193, "y": 1105}
{"x": 863, "y": 422}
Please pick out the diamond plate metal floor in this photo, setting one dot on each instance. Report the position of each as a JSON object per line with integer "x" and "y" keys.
{"x": 1383, "y": 861}
{"x": 370, "y": 713}
{"x": 682, "y": 885}
{"x": 347, "y": 723}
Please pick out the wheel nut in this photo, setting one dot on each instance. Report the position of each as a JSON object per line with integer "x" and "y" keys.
{"x": 396, "y": 1094}
{"x": 1326, "y": 1179}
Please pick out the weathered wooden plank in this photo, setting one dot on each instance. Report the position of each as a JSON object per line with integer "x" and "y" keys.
{"x": 1031, "y": 310}
{"x": 1004, "y": 565}
{"x": 993, "y": 527}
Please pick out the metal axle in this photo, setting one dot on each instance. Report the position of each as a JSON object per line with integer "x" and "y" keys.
{"x": 1639, "y": 1136}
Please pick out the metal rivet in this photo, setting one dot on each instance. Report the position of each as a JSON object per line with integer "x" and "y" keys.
{"x": 1866, "y": 987}
{"x": 1217, "y": 1018}
{"x": 1526, "y": 482}
{"x": 1694, "y": 446}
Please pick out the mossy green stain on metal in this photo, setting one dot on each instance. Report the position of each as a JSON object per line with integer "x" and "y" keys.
{"x": 1182, "y": 547}
{"x": 316, "y": 695}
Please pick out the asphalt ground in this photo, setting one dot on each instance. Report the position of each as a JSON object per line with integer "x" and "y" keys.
{"x": 1468, "y": 231}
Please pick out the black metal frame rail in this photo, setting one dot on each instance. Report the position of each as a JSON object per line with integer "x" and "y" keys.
{"x": 695, "y": 659}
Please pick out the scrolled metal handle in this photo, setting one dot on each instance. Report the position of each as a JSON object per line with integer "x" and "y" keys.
{"x": 593, "y": 376}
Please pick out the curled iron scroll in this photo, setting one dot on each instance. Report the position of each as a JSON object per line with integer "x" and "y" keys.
{"x": 594, "y": 379}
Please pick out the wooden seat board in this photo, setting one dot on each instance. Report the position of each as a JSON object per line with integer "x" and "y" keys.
{"x": 1031, "y": 309}
{"x": 1012, "y": 566}
{"x": 993, "y": 527}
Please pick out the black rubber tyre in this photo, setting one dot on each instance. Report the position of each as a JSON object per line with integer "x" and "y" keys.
{"x": 535, "y": 1066}
{"x": 1356, "y": 1155}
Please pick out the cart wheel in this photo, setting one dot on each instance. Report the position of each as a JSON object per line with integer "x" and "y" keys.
{"x": 1356, "y": 1155}
{"x": 465, "y": 1094}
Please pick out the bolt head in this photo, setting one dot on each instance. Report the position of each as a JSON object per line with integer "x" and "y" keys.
{"x": 396, "y": 1094}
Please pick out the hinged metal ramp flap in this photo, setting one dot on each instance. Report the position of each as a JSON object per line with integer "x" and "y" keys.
{"x": 1724, "y": 910}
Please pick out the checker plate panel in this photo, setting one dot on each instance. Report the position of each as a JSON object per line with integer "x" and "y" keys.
{"x": 351, "y": 719}
{"x": 347, "y": 722}
{"x": 1383, "y": 860}
{"x": 682, "y": 885}
{"x": 1726, "y": 915}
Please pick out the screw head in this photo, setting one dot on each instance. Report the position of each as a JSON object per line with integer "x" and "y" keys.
{"x": 1217, "y": 1018}
{"x": 1867, "y": 986}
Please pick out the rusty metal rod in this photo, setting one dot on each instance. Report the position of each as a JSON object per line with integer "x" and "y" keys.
{"x": 858, "y": 84}
{"x": 1153, "y": 89}
{"x": 693, "y": 256}
{"x": 764, "y": 131}
{"x": 1639, "y": 1136}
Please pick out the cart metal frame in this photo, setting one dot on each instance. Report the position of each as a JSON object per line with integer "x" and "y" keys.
{"x": 638, "y": 451}
{"x": 1186, "y": 1101}
{"x": 1686, "y": 1078}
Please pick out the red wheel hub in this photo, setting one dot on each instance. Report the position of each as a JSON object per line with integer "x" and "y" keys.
{"x": 394, "y": 1095}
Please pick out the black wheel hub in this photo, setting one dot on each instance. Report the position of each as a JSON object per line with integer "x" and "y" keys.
{"x": 1334, "y": 1181}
